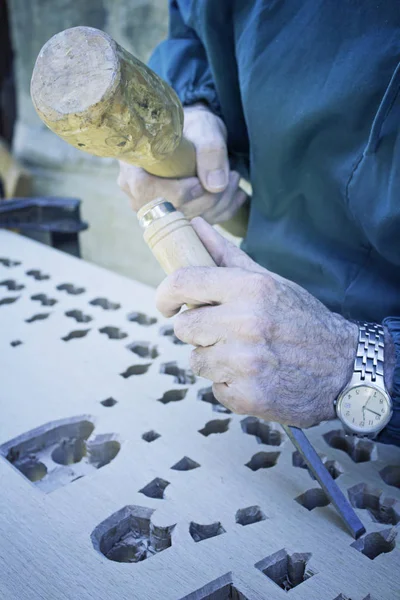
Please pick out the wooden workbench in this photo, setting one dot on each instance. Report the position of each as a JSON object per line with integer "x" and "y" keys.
{"x": 111, "y": 450}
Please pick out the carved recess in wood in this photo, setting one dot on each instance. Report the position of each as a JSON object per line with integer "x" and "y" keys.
{"x": 206, "y": 395}
{"x": 8, "y": 300}
{"x": 181, "y": 375}
{"x": 9, "y": 262}
{"x": 109, "y": 402}
{"x": 71, "y": 289}
{"x": 286, "y": 570}
{"x": 359, "y": 450}
{"x": 143, "y": 349}
{"x": 129, "y": 535}
{"x": 76, "y": 334}
{"x": 265, "y": 433}
{"x": 155, "y": 489}
{"x": 185, "y": 464}
{"x": 37, "y": 275}
{"x": 12, "y": 285}
{"x": 215, "y": 426}
{"x": 173, "y": 396}
{"x": 168, "y": 332}
{"x": 141, "y": 318}
{"x": 249, "y": 515}
{"x": 113, "y": 333}
{"x": 105, "y": 304}
{"x": 391, "y": 475}
{"x": 313, "y": 498}
{"x": 263, "y": 460}
{"x": 79, "y": 316}
{"x": 376, "y": 543}
{"x": 38, "y": 317}
{"x": 343, "y": 597}
{"x": 381, "y": 508}
{"x": 135, "y": 370}
{"x": 60, "y": 452}
{"x": 151, "y": 436}
{"x": 219, "y": 589}
{"x": 203, "y": 532}
{"x": 333, "y": 466}
{"x": 44, "y": 300}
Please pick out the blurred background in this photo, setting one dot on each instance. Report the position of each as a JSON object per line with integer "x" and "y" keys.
{"x": 47, "y": 166}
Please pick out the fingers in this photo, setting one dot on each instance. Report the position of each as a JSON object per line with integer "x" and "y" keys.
{"x": 207, "y": 132}
{"x": 213, "y": 364}
{"x": 215, "y": 208}
{"x": 203, "y": 326}
{"x": 224, "y": 252}
{"x": 200, "y": 286}
{"x": 227, "y": 203}
{"x": 227, "y": 395}
{"x": 213, "y": 194}
{"x": 239, "y": 197}
{"x": 210, "y": 325}
{"x": 225, "y": 363}
{"x": 142, "y": 187}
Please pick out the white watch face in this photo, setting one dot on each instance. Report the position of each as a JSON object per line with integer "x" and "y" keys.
{"x": 364, "y": 409}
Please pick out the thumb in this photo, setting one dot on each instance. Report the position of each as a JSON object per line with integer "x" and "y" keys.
{"x": 224, "y": 253}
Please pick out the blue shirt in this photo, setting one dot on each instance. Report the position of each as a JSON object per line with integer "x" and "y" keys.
{"x": 309, "y": 93}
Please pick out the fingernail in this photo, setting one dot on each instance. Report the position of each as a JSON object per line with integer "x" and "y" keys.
{"x": 217, "y": 179}
{"x": 196, "y": 191}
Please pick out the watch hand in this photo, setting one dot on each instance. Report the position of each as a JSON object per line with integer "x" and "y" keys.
{"x": 375, "y": 413}
{"x": 366, "y": 404}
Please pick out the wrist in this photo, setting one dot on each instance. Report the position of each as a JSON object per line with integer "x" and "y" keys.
{"x": 346, "y": 343}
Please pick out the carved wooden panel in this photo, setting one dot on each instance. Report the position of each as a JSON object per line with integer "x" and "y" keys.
{"x": 122, "y": 476}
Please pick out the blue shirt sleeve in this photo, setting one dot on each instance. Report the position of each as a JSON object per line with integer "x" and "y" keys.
{"x": 181, "y": 61}
{"x": 391, "y": 433}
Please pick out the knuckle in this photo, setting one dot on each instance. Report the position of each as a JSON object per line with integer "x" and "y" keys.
{"x": 197, "y": 362}
{"x": 260, "y": 286}
{"x": 223, "y": 398}
{"x": 181, "y": 328}
{"x": 257, "y": 283}
{"x": 250, "y": 326}
{"x": 212, "y": 148}
{"x": 253, "y": 324}
{"x": 249, "y": 363}
{"x": 177, "y": 280}
{"x": 187, "y": 326}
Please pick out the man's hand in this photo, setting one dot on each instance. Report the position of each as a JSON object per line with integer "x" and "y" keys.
{"x": 271, "y": 349}
{"x": 214, "y": 194}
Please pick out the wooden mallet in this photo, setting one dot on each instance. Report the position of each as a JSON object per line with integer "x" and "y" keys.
{"x": 104, "y": 101}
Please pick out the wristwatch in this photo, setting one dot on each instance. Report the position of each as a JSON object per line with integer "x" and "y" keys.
{"x": 365, "y": 405}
